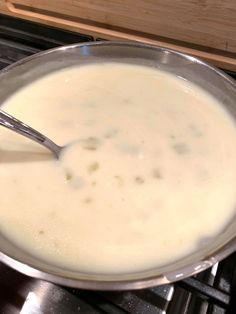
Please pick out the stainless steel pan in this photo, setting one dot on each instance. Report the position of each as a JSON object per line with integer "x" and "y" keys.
{"x": 214, "y": 81}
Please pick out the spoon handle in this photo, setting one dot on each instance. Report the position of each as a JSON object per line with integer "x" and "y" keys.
{"x": 17, "y": 126}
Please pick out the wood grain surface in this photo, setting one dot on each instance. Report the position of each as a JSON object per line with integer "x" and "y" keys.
{"x": 204, "y": 28}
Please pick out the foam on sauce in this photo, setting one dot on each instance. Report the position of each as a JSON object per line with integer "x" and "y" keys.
{"x": 150, "y": 172}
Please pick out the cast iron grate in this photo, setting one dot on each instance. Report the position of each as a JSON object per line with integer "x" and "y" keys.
{"x": 19, "y": 39}
{"x": 210, "y": 292}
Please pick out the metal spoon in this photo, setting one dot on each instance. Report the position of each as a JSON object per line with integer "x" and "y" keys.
{"x": 17, "y": 126}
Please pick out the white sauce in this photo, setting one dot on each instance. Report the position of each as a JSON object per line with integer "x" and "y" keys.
{"x": 152, "y": 170}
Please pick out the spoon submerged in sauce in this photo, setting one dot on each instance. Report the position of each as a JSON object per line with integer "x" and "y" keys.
{"x": 20, "y": 127}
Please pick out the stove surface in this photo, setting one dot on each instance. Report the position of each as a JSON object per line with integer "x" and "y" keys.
{"x": 210, "y": 292}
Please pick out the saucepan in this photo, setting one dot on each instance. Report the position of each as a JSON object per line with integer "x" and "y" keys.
{"x": 209, "y": 78}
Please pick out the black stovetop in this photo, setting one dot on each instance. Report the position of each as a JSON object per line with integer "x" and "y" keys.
{"x": 210, "y": 292}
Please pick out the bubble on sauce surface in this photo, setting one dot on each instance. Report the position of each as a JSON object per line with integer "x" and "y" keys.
{"x": 172, "y": 136}
{"x": 74, "y": 180}
{"x": 129, "y": 149}
{"x": 111, "y": 133}
{"x": 69, "y": 176}
{"x": 78, "y": 182}
{"x": 194, "y": 131}
{"x": 91, "y": 143}
{"x": 139, "y": 180}
{"x": 157, "y": 174}
{"x": 181, "y": 148}
{"x": 87, "y": 200}
{"x": 119, "y": 180}
{"x": 93, "y": 167}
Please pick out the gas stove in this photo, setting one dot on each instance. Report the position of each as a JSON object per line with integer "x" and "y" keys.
{"x": 210, "y": 292}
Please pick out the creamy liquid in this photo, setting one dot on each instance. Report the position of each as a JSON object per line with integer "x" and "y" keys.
{"x": 150, "y": 173}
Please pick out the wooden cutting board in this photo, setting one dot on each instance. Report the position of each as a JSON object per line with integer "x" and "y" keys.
{"x": 203, "y": 28}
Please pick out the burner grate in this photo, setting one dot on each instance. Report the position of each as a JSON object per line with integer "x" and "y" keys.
{"x": 191, "y": 295}
{"x": 19, "y": 39}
